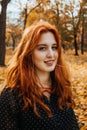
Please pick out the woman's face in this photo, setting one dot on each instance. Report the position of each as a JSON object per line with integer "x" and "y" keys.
{"x": 45, "y": 54}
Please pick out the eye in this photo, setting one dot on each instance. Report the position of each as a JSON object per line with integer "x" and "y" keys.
{"x": 42, "y": 48}
{"x": 54, "y": 47}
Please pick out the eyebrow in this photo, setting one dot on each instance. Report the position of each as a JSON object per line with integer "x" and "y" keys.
{"x": 45, "y": 44}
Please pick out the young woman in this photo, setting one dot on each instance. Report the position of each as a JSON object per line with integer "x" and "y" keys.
{"x": 37, "y": 94}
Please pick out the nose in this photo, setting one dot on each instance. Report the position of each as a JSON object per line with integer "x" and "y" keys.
{"x": 50, "y": 53}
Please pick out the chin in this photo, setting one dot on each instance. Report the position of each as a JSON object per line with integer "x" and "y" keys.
{"x": 50, "y": 70}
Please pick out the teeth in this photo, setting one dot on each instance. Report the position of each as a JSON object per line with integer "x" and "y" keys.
{"x": 49, "y": 61}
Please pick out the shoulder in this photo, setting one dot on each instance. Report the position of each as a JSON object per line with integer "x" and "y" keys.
{"x": 7, "y": 93}
{"x": 8, "y": 98}
{"x": 68, "y": 110}
{"x": 69, "y": 114}
{"x": 9, "y": 109}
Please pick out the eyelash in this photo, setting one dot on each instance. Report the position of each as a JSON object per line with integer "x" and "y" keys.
{"x": 44, "y": 48}
{"x": 55, "y": 47}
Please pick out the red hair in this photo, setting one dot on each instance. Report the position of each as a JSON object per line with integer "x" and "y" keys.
{"x": 22, "y": 72}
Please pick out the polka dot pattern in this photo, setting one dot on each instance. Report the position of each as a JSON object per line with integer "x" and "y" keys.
{"x": 13, "y": 117}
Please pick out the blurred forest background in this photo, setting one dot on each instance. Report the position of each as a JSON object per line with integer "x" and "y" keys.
{"x": 70, "y": 17}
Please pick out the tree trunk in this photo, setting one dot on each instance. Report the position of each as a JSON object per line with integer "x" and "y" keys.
{"x": 13, "y": 39}
{"x": 26, "y": 15}
{"x": 82, "y": 43}
{"x": 2, "y": 31}
{"x": 82, "y": 37}
{"x": 75, "y": 45}
{"x": 2, "y": 35}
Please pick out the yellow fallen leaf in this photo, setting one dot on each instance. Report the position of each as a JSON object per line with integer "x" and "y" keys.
{"x": 84, "y": 127}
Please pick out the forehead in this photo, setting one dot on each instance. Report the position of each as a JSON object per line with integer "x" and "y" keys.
{"x": 47, "y": 37}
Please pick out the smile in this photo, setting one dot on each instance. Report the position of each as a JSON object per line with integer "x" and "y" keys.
{"x": 50, "y": 62}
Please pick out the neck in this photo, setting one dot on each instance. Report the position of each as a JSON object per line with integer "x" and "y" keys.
{"x": 44, "y": 79}
{"x": 45, "y": 83}
{"x": 43, "y": 76}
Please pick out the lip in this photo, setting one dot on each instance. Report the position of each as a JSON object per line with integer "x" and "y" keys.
{"x": 49, "y": 62}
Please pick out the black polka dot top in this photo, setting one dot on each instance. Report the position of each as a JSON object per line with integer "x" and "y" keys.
{"x": 13, "y": 117}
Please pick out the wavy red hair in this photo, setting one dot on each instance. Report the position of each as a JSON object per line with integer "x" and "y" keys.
{"x": 22, "y": 73}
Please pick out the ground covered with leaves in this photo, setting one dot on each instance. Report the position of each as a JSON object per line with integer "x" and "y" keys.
{"x": 78, "y": 70}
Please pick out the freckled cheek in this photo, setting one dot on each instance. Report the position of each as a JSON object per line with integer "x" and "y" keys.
{"x": 39, "y": 57}
{"x": 42, "y": 55}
